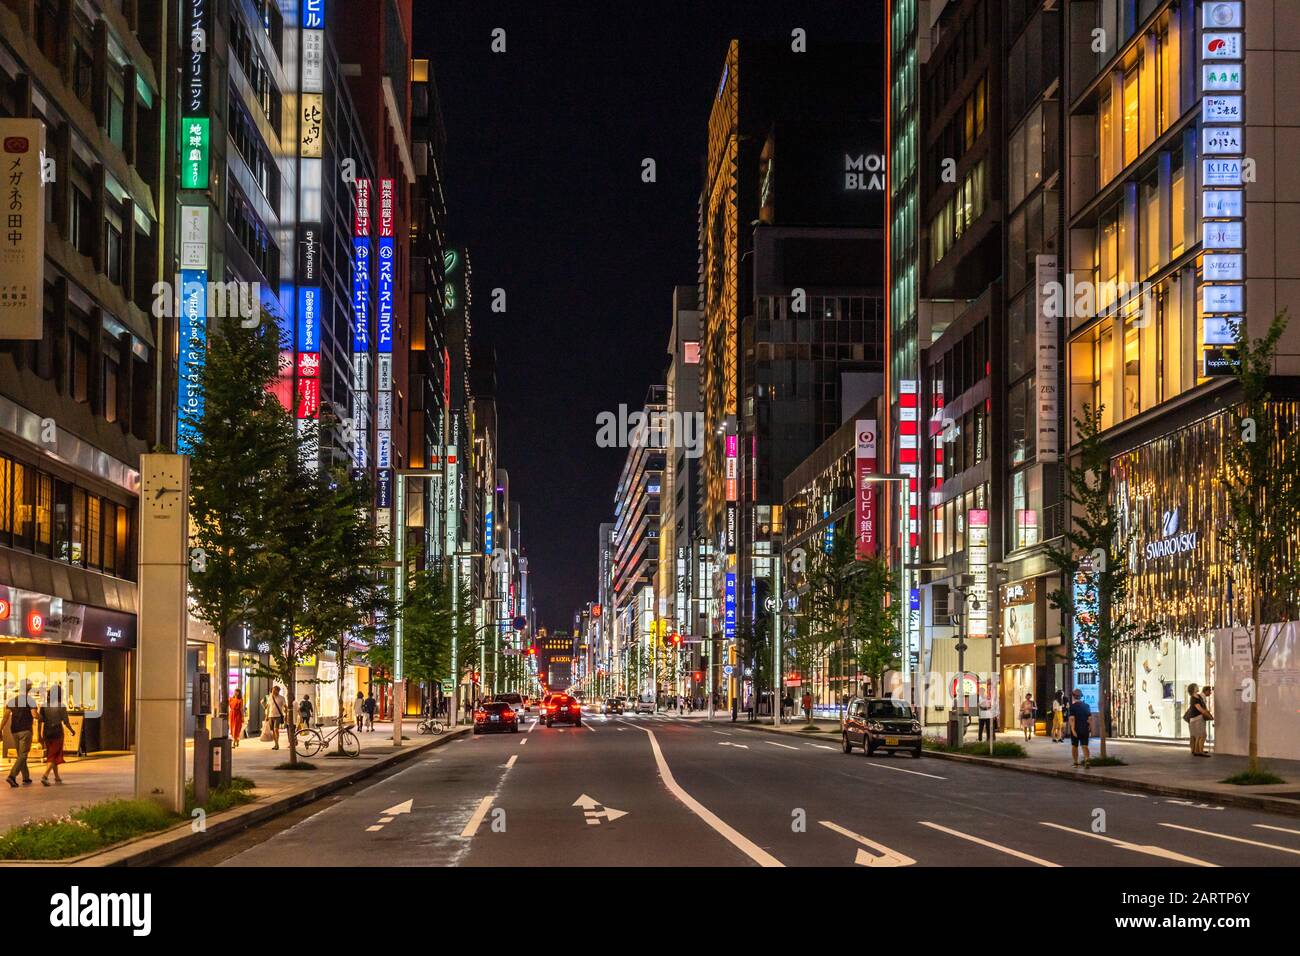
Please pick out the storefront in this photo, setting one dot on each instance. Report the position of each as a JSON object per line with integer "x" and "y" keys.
{"x": 85, "y": 652}
{"x": 1171, "y": 503}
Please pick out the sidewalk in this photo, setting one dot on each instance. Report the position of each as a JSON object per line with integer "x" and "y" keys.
{"x": 1165, "y": 768}
{"x": 96, "y": 778}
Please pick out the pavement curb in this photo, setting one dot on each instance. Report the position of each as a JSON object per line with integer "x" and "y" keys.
{"x": 155, "y": 848}
{"x": 1245, "y": 801}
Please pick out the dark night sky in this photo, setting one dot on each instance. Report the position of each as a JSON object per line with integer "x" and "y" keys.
{"x": 543, "y": 185}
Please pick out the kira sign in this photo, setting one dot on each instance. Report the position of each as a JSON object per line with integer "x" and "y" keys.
{"x": 866, "y": 536}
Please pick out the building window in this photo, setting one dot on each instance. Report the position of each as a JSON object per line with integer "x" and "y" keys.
{"x": 78, "y": 361}
{"x": 1025, "y": 158}
{"x": 113, "y": 249}
{"x": 112, "y": 383}
{"x": 81, "y": 220}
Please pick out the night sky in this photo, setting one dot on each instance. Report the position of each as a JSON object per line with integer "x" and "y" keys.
{"x": 543, "y": 186}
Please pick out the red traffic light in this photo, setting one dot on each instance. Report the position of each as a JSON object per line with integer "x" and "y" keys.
{"x": 677, "y": 639}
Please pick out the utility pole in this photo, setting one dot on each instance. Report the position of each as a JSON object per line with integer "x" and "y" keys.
{"x": 776, "y": 641}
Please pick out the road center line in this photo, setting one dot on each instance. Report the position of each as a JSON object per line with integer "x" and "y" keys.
{"x": 534, "y": 726}
{"x": 511, "y": 762}
{"x": 786, "y": 746}
{"x": 732, "y": 836}
{"x": 524, "y": 741}
{"x": 477, "y": 818}
{"x": 1234, "y": 839}
{"x": 988, "y": 843}
{"x": 1149, "y": 850}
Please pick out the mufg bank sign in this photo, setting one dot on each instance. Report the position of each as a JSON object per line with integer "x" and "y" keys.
{"x": 866, "y": 171}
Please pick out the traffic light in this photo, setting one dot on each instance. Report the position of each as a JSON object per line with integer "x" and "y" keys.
{"x": 677, "y": 640}
{"x": 698, "y": 676}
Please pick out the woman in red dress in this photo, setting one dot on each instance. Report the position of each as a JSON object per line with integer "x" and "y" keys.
{"x": 236, "y": 717}
{"x": 53, "y": 718}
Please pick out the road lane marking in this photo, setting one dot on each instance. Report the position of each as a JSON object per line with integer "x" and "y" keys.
{"x": 887, "y": 856}
{"x": 728, "y": 743}
{"x": 1140, "y": 796}
{"x": 524, "y": 741}
{"x": 775, "y": 744}
{"x": 593, "y": 810}
{"x": 534, "y": 726}
{"x": 1265, "y": 826}
{"x": 589, "y": 727}
{"x": 915, "y": 773}
{"x": 373, "y": 829}
{"x": 472, "y": 826}
{"x": 511, "y": 762}
{"x": 1234, "y": 839}
{"x": 724, "y": 733}
{"x": 822, "y": 746}
{"x": 731, "y": 835}
{"x": 1136, "y": 848}
{"x": 988, "y": 843}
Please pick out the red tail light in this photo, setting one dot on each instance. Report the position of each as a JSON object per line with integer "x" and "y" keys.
{"x": 508, "y": 714}
{"x": 575, "y": 707}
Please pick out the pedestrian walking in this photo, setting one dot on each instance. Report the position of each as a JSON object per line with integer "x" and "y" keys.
{"x": 306, "y": 712}
{"x": 18, "y": 725}
{"x": 236, "y": 712}
{"x": 1196, "y": 715}
{"x": 986, "y": 716}
{"x": 53, "y": 718}
{"x": 372, "y": 708}
{"x": 807, "y": 705}
{"x": 1080, "y": 715}
{"x": 1058, "y": 718}
{"x": 1028, "y": 711}
{"x": 359, "y": 711}
{"x": 276, "y": 708}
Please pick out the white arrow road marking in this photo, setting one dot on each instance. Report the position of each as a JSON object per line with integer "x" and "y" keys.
{"x": 387, "y": 815}
{"x": 729, "y": 833}
{"x": 1136, "y": 848}
{"x": 775, "y": 744}
{"x": 472, "y": 826}
{"x": 988, "y": 843}
{"x": 728, "y": 743}
{"x": 822, "y": 746}
{"x": 1265, "y": 826}
{"x": 1198, "y": 806}
{"x": 592, "y": 814}
{"x": 1234, "y": 839}
{"x": 887, "y": 856}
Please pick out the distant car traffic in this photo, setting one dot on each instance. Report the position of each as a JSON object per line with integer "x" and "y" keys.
{"x": 881, "y": 723}
{"x": 644, "y": 707}
{"x": 612, "y": 705}
{"x": 495, "y": 715}
{"x": 563, "y": 708}
{"x": 515, "y": 701}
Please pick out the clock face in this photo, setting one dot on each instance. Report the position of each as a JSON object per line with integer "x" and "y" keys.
{"x": 162, "y": 493}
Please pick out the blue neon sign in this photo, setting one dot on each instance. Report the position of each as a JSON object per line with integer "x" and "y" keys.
{"x": 308, "y": 319}
{"x": 193, "y": 335}
{"x": 360, "y": 294}
{"x": 729, "y": 608}
{"x": 313, "y": 14}
{"x": 385, "y": 340}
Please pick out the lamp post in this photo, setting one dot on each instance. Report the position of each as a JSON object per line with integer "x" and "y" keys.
{"x": 399, "y": 593}
{"x": 902, "y": 481}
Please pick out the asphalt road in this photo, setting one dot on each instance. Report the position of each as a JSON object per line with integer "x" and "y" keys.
{"x": 663, "y": 791}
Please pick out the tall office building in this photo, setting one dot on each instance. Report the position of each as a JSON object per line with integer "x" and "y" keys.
{"x": 790, "y": 290}
{"x": 84, "y": 87}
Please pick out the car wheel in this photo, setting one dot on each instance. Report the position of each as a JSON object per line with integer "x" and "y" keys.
{"x": 916, "y": 751}
{"x": 548, "y": 723}
{"x": 578, "y": 722}
{"x": 869, "y": 748}
{"x": 848, "y": 747}
{"x": 477, "y": 731}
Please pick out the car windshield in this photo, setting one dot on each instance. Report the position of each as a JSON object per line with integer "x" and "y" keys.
{"x": 496, "y": 707}
{"x": 889, "y": 708}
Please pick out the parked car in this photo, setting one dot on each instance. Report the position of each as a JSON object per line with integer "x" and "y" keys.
{"x": 881, "y": 723}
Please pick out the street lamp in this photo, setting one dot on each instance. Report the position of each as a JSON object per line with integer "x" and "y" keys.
{"x": 399, "y": 593}
{"x": 902, "y": 481}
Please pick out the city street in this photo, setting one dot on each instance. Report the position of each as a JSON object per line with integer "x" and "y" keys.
{"x": 668, "y": 791}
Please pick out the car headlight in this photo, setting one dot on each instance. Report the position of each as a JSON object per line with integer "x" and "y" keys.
{"x": 874, "y": 725}
{"x": 916, "y": 727}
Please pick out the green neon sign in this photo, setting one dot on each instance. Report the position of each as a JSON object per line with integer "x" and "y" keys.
{"x": 194, "y": 152}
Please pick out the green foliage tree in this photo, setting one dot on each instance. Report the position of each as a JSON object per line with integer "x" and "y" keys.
{"x": 237, "y": 452}
{"x": 874, "y": 637}
{"x": 1262, "y": 486}
{"x": 1095, "y": 556}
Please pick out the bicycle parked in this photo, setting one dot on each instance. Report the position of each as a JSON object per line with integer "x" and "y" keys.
{"x": 430, "y": 725}
{"x": 312, "y": 740}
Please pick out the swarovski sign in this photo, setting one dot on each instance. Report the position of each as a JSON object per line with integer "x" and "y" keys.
{"x": 1171, "y": 541}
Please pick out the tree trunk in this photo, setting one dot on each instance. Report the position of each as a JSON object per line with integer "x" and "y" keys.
{"x": 338, "y": 688}
{"x": 1104, "y": 677}
{"x": 290, "y": 724}
{"x": 1256, "y": 658}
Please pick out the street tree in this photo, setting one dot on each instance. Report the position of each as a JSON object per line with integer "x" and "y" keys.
{"x": 875, "y": 642}
{"x": 1094, "y": 563}
{"x": 1262, "y": 485}
{"x": 238, "y": 447}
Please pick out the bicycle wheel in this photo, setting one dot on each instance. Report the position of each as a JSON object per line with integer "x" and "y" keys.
{"x": 308, "y": 743}
{"x": 436, "y": 727}
{"x": 351, "y": 743}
